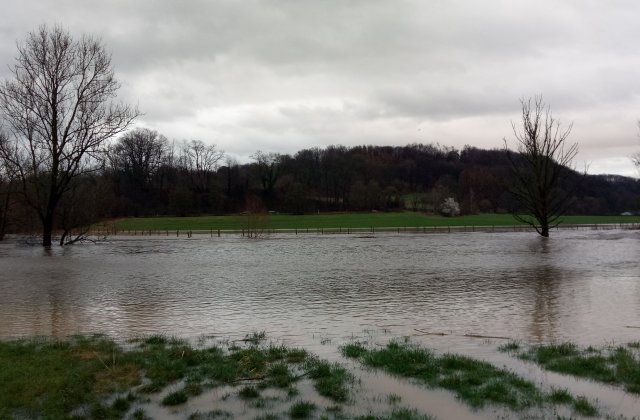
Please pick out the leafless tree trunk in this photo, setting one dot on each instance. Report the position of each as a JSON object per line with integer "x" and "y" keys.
{"x": 541, "y": 160}
{"x": 58, "y": 111}
{"x": 7, "y": 190}
{"x": 257, "y": 217}
{"x": 636, "y": 157}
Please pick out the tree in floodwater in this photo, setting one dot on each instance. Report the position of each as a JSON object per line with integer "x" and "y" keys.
{"x": 636, "y": 157}
{"x": 541, "y": 162}
{"x": 59, "y": 113}
{"x": 7, "y": 191}
{"x": 257, "y": 217}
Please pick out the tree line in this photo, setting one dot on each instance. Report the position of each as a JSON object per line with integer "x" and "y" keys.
{"x": 145, "y": 174}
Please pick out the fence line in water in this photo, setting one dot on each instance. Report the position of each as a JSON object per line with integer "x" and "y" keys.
{"x": 111, "y": 230}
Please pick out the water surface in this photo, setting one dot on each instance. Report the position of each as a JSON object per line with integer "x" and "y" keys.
{"x": 582, "y": 286}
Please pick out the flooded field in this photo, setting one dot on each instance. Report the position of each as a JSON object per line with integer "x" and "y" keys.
{"x": 461, "y": 293}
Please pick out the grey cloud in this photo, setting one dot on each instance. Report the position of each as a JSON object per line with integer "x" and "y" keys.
{"x": 283, "y": 74}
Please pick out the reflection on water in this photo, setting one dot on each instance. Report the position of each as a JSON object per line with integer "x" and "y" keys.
{"x": 580, "y": 286}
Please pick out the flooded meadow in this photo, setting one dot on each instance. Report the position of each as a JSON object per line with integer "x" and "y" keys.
{"x": 468, "y": 294}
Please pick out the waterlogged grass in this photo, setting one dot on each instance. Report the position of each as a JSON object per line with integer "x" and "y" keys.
{"x": 214, "y": 414}
{"x": 302, "y": 410}
{"x": 248, "y": 392}
{"x": 475, "y": 382}
{"x": 175, "y": 398}
{"x": 330, "y": 380}
{"x": 398, "y": 414}
{"x": 44, "y": 378}
{"x": 345, "y": 221}
{"x": 95, "y": 377}
{"x": 582, "y": 406}
{"x": 611, "y": 365}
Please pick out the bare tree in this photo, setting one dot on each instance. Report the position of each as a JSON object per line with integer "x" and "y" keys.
{"x": 201, "y": 161}
{"x": 257, "y": 221}
{"x": 75, "y": 221}
{"x": 7, "y": 191}
{"x": 201, "y": 157}
{"x": 636, "y": 157}
{"x": 139, "y": 154}
{"x": 59, "y": 112}
{"x": 268, "y": 168}
{"x": 542, "y": 159}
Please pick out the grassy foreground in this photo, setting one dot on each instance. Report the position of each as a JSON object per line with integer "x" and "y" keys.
{"x": 345, "y": 221}
{"x": 93, "y": 377}
{"x": 475, "y": 382}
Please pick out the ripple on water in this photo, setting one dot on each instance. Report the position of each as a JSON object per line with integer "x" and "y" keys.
{"x": 580, "y": 286}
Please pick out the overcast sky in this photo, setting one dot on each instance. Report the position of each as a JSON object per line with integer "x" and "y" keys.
{"x": 282, "y": 75}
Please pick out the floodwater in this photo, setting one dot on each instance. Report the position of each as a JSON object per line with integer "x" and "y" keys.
{"x": 579, "y": 286}
{"x": 462, "y": 292}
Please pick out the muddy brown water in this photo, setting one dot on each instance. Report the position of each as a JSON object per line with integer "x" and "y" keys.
{"x": 463, "y": 292}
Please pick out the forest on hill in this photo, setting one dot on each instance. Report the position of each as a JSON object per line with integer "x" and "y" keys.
{"x": 144, "y": 174}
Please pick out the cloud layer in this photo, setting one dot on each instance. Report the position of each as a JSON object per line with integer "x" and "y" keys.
{"x": 281, "y": 75}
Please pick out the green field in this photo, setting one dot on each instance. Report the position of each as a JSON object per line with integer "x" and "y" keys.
{"x": 344, "y": 221}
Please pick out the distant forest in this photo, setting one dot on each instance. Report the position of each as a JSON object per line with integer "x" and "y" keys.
{"x": 144, "y": 175}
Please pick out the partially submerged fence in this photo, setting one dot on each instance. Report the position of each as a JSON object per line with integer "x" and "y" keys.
{"x": 213, "y": 232}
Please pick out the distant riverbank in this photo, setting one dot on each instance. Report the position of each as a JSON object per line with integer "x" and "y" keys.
{"x": 339, "y": 221}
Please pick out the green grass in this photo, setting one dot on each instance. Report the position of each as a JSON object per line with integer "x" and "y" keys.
{"x": 248, "y": 393}
{"x": 330, "y": 380}
{"x": 301, "y": 410}
{"x": 344, "y": 221}
{"x": 175, "y": 398}
{"x": 582, "y": 406}
{"x": 39, "y": 377}
{"x": 214, "y": 414}
{"x": 611, "y": 365}
{"x": 511, "y": 346}
{"x": 139, "y": 414}
{"x": 50, "y": 379}
{"x": 475, "y": 382}
{"x": 561, "y": 396}
{"x": 398, "y": 414}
